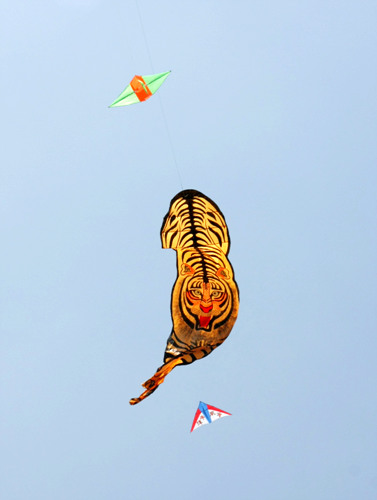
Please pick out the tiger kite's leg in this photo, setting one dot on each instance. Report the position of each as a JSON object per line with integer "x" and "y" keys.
{"x": 152, "y": 384}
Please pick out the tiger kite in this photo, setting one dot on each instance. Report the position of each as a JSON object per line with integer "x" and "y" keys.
{"x": 204, "y": 301}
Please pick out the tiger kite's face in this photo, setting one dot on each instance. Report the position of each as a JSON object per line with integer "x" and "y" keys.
{"x": 204, "y": 297}
{"x": 205, "y": 301}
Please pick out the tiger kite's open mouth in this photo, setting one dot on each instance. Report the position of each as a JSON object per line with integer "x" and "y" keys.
{"x": 204, "y": 321}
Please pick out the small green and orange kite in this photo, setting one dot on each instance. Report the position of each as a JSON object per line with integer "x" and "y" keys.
{"x": 140, "y": 89}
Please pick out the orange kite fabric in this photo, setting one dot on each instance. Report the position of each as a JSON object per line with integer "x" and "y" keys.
{"x": 140, "y": 88}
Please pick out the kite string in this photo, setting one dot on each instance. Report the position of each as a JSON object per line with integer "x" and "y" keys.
{"x": 144, "y": 36}
{"x": 159, "y": 97}
{"x": 170, "y": 141}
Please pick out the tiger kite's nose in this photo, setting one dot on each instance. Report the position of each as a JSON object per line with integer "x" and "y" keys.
{"x": 206, "y": 309}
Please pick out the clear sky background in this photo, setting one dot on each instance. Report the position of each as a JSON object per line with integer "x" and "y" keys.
{"x": 271, "y": 108}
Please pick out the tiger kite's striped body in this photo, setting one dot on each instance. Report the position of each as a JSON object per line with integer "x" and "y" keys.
{"x": 204, "y": 303}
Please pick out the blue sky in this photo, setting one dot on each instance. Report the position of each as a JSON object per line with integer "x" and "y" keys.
{"x": 271, "y": 112}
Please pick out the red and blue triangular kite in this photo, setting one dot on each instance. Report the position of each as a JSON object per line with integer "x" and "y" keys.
{"x": 206, "y": 414}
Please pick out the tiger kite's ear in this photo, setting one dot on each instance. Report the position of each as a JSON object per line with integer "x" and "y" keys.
{"x": 187, "y": 269}
{"x": 223, "y": 273}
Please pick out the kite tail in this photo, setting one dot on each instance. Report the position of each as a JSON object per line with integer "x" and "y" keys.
{"x": 152, "y": 384}
{"x": 188, "y": 357}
